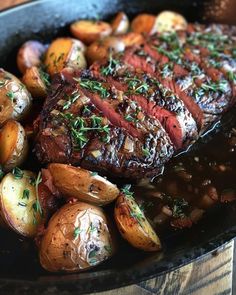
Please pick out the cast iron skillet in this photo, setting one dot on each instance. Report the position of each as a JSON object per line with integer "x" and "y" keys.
{"x": 20, "y": 272}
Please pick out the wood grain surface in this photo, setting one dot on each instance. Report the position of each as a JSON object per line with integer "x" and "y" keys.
{"x": 210, "y": 275}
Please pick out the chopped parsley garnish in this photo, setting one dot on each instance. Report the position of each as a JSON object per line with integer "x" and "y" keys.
{"x": 71, "y": 99}
{"x": 11, "y": 95}
{"x": 126, "y": 191}
{"x": 44, "y": 77}
{"x": 136, "y": 85}
{"x": 130, "y": 118}
{"x": 77, "y": 232}
{"x": 26, "y": 194}
{"x": 93, "y": 86}
{"x": 17, "y": 173}
{"x": 146, "y": 152}
{"x": 36, "y": 205}
{"x": 111, "y": 68}
{"x": 173, "y": 55}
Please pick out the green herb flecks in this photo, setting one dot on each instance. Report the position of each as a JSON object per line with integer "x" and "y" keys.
{"x": 221, "y": 86}
{"x": 44, "y": 77}
{"x": 174, "y": 55}
{"x": 178, "y": 206}
{"x": 146, "y": 152}
{"x": 111, "y": 68}
{"x": 232, "y": 76}
{"x": 10, "y": 95}
{"x": 126, "y": 191}
{"x": 77, "y": 232}
{"x": 1, "y": 172}
{"x": 17, "y": 173}
{"x": 136, "y": 85}
{"x": 92, "y": 228}
{"x": 108, "y": 248}
{"x": 71, "y": 99}
{"x": 37, "y": 209}
{"x": 93, "y": 86}
{"x": 2, "y": 83}
{"x": 93, "y": 173}
{"x": 26, "y": 194}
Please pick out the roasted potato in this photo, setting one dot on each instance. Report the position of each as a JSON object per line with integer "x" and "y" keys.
{"x": 36, "y": 82}
{"x": 78, "y": 237}
{"x": 120, "y": 24}
{"x": 89, "y": 31}
{"x": 143, "y": 23}
{"x": 101, "y": 49}
{"x": 19, "y": 205}
{"x": 132, "y": 38}
{"x": 134, "y": 226}
{"x": 15, "y": 100}
{"x": 65, "y": 52}
{"x": 13, "y": 145}
{"x": 29, "y": 55}
{"x": 82, "y": 184}
{"x": 169, "y": 21}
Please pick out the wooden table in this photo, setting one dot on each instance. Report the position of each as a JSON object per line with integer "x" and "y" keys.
{"x": 210, "y": 275}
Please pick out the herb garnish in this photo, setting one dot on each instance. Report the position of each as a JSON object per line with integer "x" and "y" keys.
{"x": 36, "y": 205}
{"x": 92, "y": 228}
{"x": 178, "y": 206}
{"x": 26, "y": 193}
{"x": 93, "y": 173}
{"x": 77, "y": 232}
{"x": 1, "y": 172}
{"x": 108, "y": 248}
{"x": 126, "y": 191}
{"x": 11, "y": 95}
{"x": 44, "y": 77}
{"x": 136, "y": 85}
{"x": 231, "y": 76}
{"x": 17, "y": 173}
{"x": 222, "y": 86}
{"x": 111, "y": 68}
{"x": 71, "y": 99}
{"x": 146, "y": 152}
{"x": 93, "y": 86}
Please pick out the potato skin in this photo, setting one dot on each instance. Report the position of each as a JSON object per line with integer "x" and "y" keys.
{"x": 16, "y": 211}
{"x": 13, "y": 145}
{"x": 120, "y": 24}
{"x": 79, "y": 183}
{"x": 101, "y": 49}
{"x": 77, "y": 238}
{"x": 133, "y": 226}
{"x": 89, "y": 31}
{"x": 34, "y": 83}
{"x": 132, "y": 38}
{"x": 169, "y": 21}
{"x": 29, "y": 55}
{"x": 15, "y": 100}
{"x": 143, "y": 23}
{"x": 65, "y": 52}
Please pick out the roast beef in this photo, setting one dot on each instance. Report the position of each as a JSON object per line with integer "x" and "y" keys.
{"x": 127, "y": 115}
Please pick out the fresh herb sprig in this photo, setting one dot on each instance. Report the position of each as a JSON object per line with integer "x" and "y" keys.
{"x": 112, "y": 66}
{"x": 71, "y": 99}
{"x": 93, "y": 86}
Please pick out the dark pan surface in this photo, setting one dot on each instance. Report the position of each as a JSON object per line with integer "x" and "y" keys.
{"x": 20, "y": 272}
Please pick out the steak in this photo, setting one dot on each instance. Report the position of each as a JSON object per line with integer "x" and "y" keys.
{"x": 129, "y": 114}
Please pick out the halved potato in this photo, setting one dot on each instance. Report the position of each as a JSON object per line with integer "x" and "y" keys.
{"x": 89, "y": 31}
{"x": 65, "y": 52}
{"x": 132, "y": 38}
{"x": 101, "y": 49}
{"x": 78, "y": 237}
{"x": 169, "y": 21}
{"x": 29, "y": 55}
{"x": 13, "y": 145}
{"x": 134, "y": 226}
{"x": 143, "y": 23}
{"x": 18, "y": 202}
{"x": 82, "y": 184}
{"x": 15, "y": 100}
{"x": 120, "y": 24}
{"x": 36, "y": 82}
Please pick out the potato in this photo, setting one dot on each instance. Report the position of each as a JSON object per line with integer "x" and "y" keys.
{"x": 36, "y": 82}
{"x": 29, "y": 55}
{"x": 120, "y": 24}
{"x": 15, "y": 100}
{"x": 132, "y": 38}
{"x": 89, "y": 31}
{"x": 77, "y": 238}
{"x": 82, "y": 184}
{"x": 65, "y": 52}
{"x": 169, "y": 21}
{"x": 134, "y": 226}
{"x": 13, "y": 145}
{"x": 101, "y": 49}
{"x": 19, "y": 205}
{"x": 143, "y": 23}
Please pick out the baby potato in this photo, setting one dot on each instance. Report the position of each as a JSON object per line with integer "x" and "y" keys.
{"x": 36, "y": 82}
{"x": 13, "y": 145}
{"x": 82, "y": 184}
{"x": 65, "y": 52}
{"x": 89, "y": 31}
{"x": 29, "y": 55}
{"x": 132, "y": 38}
{"x": 19, "y": 204}
{"x": 169, "y": 21}
{"x": 101, "y": 49}
{"x": 120, "y": 24}
{"x": 133, "y": 225}
{"x": 143, "y": 23}
{"x": 15, "y": 100}
{"x": 77, "y": 238}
